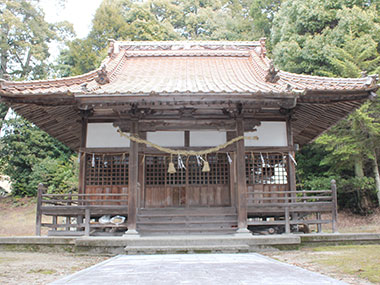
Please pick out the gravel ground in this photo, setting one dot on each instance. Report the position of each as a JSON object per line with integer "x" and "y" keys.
{"x": 41, "y": 268}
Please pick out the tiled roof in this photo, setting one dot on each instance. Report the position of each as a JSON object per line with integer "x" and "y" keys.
{"x": 185, "y": 68}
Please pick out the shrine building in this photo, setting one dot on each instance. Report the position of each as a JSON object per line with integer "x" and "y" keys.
{"x": 186, "y": 138}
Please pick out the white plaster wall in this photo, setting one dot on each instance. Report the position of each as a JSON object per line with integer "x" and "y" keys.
{"x": 167, "y": 138}
{"x": 104, "y": 135}
{"x": 270, "y": 134}
{"x": 207, "y": 138}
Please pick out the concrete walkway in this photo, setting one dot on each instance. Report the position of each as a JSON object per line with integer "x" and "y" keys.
{"x": 209, "y": 269}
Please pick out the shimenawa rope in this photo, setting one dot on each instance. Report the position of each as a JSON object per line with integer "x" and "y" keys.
{"x": 185, "y": 152}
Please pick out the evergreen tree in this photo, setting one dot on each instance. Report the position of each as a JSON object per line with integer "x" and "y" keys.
{"x": 24, "y": 146}
{"x": 335, "y": 38}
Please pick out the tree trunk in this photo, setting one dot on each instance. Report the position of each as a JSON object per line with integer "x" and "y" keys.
{"x": 377, "y": 175}
{"x": 359, "y": 167}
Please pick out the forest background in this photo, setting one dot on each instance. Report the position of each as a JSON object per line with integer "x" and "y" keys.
{"x": 335, "y": 38}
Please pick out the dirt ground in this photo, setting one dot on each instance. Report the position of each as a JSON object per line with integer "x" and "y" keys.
{"x": 41, "y": 268}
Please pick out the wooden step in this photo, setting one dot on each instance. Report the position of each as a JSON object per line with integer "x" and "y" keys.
{"x": 177, "y": 221}
{"x": 187, "y": 230}
{"x": 187, "y": 211}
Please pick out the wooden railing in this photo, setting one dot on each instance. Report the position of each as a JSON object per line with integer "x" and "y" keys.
{"x": 81, "y": 207}
{"x": 84, "y": 199}
{"x": 292, "y": 205}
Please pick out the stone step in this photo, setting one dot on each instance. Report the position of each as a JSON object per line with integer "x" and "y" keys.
{"x": 190, "y": 220}
{"x": 186, "y": 240}
{"x": 186, "y": 231}
{"x": 216, "y": 248}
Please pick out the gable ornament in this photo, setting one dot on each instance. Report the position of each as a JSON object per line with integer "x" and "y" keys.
{"x": 102, "y": 76}
{"x": 272, "y": 75}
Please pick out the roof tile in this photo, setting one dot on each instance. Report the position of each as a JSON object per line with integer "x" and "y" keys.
{"x": 186, "y": 67}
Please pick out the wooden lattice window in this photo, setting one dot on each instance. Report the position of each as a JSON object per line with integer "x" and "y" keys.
{"x": 156, "y": 171}
{"x": 266, "y": 168}
{"x": 219, "y": 170}
{"x": 106, "y": 169}
{"x": 179, "y": 177}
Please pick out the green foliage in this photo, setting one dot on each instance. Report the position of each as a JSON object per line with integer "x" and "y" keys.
{"x": 319, "y": 183}
{"x": 262, "y": 13}
{"x": 357, "y": 194}
{"x": 24, "y": 146}
{"x": 355, "y": 138}
{"x": 3, "y": 112}
{"x": 156, "y": 20}
{"x": 61, "y": 176}
{"x": 309, "y": 164}
{"x": 80, "y": 57}
{"x": 24, "y": 39}
{"x": 309, "y": 35}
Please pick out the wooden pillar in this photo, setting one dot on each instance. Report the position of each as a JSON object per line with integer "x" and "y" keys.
{"x": 82, "y": 155}
{"x": 241, "y": 179}
{"x": 287, "y": 221}
{"x": 87, "y": 217}
{"x": 334, "y": 206}
{"x": 230, "y": 136}
{"x": 291, "y": 165}
{"x": 40, "y": 190}
{"x": 133, "y": 176}
{"x": 291, "y": 170}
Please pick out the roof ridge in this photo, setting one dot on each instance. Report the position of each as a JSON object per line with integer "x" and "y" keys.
{"x": 211, "y": 42}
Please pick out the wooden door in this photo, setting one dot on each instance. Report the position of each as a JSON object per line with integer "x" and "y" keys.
{"x": 189, "y": 187}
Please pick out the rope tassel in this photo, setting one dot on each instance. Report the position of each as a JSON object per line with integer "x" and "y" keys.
{"x": 171, "y": 168}
{"x": 206, "y": 166}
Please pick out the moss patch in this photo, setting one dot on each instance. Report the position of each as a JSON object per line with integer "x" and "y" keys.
{"x": 42, "y": 271}
{"x": 359, "y": 260}
{"x": 7, "y": 259}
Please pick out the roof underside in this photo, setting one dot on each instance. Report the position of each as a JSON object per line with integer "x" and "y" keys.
{"x": 174, "y": 73}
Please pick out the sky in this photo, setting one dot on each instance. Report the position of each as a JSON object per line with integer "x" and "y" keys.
{"x": 77, "y": 12}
